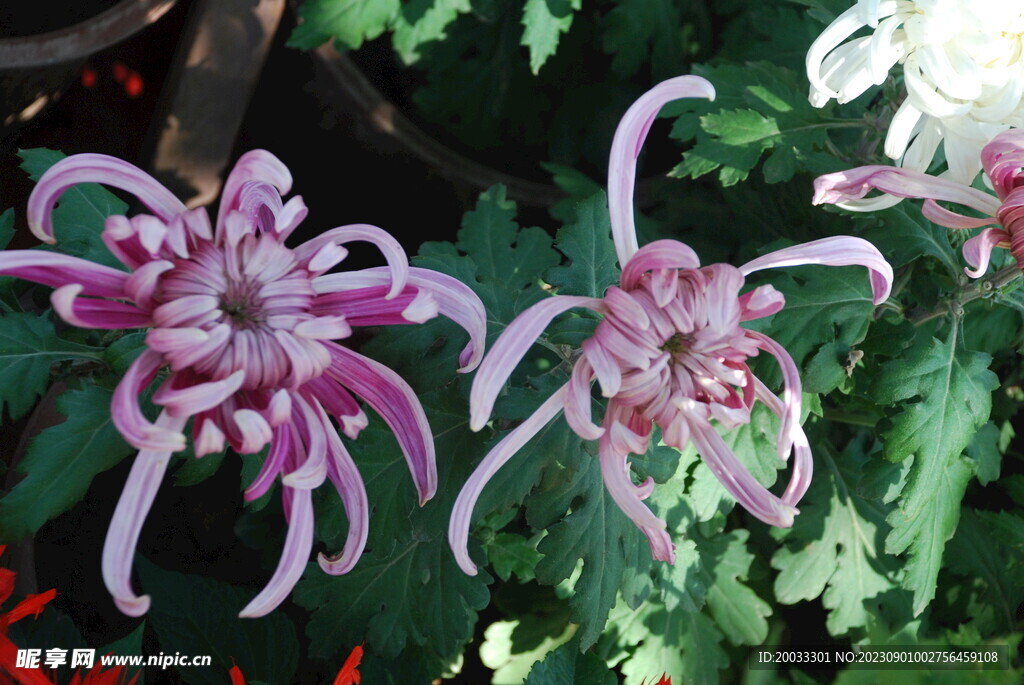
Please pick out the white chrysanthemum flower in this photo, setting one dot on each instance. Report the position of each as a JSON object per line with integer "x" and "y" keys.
{"x": 963, "y": 66}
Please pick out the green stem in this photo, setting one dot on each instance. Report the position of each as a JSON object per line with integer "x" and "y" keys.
{"x": 974, "y": 291}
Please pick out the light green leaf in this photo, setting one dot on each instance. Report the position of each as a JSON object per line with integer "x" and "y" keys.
{"x": 737, "y": 609}
{"x": 836, "y": 546}
{"x": 429, "y": 21}
{"x": 349, "y": 22}
{"x": 943, "y": 395}
{"x": 542, "y": 30}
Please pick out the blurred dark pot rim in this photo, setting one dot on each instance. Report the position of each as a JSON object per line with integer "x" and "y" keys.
{"x": 388, "y": 119}
{"x": 78, "y": 41}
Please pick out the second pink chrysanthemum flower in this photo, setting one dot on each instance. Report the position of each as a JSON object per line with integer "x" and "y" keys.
{"x": 670, "y": 351}
{"x": 242, "y": 333}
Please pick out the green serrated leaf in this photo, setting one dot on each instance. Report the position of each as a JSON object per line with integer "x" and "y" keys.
{"x": 80, "y": 214}
{"x": 511, "y": 665}
{"x": 29, "y": 346}
{"x": 943, "y": 393}
{"x": 760, "y": 107}
{"x": 510, "y": 553}
{"x": 835, "y": 547}
{"x": 904, "y": 235}
{"x": 588, "y": 245}
{"x": 196, "y": 615}
{"x": 828, "y": 310}
{"x": 542, "y": 30}
{"x": 641, "y": 32}
{"x": 349, "y": 22}
{"x": 62, "y": 461}
{"x": 423, "y": 21}
{"x": 979, "y": 552}
{"x": 407, "y": 589}
{"x": 566, "y": 665}
{"x": 684, "y": 645}
{"x": 736, "y": 608}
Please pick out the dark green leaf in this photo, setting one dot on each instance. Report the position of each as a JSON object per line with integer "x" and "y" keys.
{"x": 196, "y": 615}
{"x": 29, "y": 346}
{"x": 588, "y": 245}
{"x": 567, "y": 666}
{"x": 62, "y": 461}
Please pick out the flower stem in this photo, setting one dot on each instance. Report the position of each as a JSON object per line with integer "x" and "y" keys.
{"x": 974, "y": 291}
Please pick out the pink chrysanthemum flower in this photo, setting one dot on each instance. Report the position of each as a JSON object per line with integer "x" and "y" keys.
{"x": 243, "y": 326}
{"x": 1003, "y": 162}
{"x": 670, "y": 351}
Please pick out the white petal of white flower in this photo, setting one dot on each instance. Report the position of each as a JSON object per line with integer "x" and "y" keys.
{"x": 963, "y": 66}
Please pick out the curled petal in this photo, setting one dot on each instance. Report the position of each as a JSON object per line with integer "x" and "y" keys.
{"x": 834, "y": 251}
{"x": 392, "y": 398}
{"x": 195, "y": 397}
{"x": 255, "y": 430}
{"x": 760, "y": 302}
{"x": 606, "y": 368}
{"x": 141, "y": 285}
{"x": 127, "y": 415}
{"x": 314, "y": 429}
{"x": 90, "y": 313}
{"x": 844, "y": 26}
{"x": 978, "y": 250}
{"x": 629, "y": 138}
{"x": 281, "y": 445}
{"x": 1003, "y": 159}
{"x": 803, "y": 464}
{"x": 56, "y": 270}
{"x": 291, "y": 215}
{"x": 462, "y": 513}
{"x": 398, "y": 262}
{"x": 346, "y": 479}
{"x": 93, "y": 168}
{"x": 129, "y": 515}
{"x": 854, "y": 184}
{"x": 577, "y": 402}
{"x": 511, "y": 346}
{"x": 615, "y": 471}
{"x": 208, "y": 439}
{"x": 944, "y": 217}
{"x": 455, "y": 300}
{"x": 660, "y": 254}
{"x": 754, "y": 497}
{"x": 792, "y": 388}
{"x": 297, "y": 546}
{"x": 255, "y": 165}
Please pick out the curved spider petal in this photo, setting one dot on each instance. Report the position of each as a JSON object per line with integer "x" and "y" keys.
{"x": 660, "y": 254}
{"x": 398, "y": 262}
{"x": 89, "y": 313}
{"x": 854, "y": 184}
{"x": 615, "y": 471}
{"x": 297, "y": 546}
{"x": 281, "y": 444}
{"x": 392, "y": 398}
{"x": 95, "y": 168}
{"x": 629, "y": 138}
{"x": 462, "y": 512}
{"x": 844, "y": 26}
{"x": 255, "y": 165}
{"x": 803, "y": 463}
{"x": 349, "y": 483}
{"x": 834, "y": 251}
{"x": 792, "y": 388}
{"x": 511, "y": 346}
{"x": 733, "y": 475}
{"x": 455, "y": 300}
{"x": 577, "y": 402}
{"x": 56, "y": 270}
{"x": 978, "y": 250}
{"x": 127, "y": 415}
{"x": 129, "y": 515}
